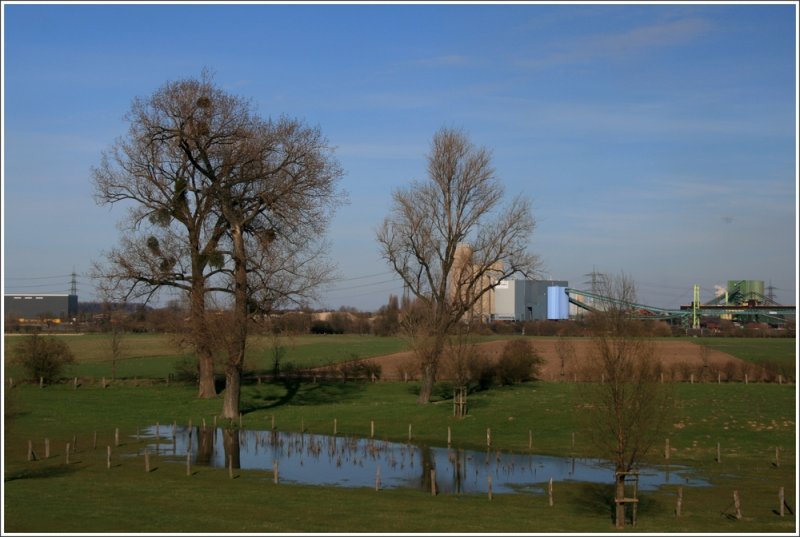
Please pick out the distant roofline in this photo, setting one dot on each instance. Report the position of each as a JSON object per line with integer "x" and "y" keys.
{"x": 38, "y": 294}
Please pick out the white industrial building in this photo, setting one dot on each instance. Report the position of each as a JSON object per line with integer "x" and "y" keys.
{"x": 530, "y": 300}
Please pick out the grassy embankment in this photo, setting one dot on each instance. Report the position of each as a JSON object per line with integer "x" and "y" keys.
{"x": 749, "y": 422}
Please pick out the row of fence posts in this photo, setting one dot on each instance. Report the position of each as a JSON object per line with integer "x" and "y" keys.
{"x": 667, "y": 450}
{"x": 71, "y": 447}
{"x": 459, "y": 399}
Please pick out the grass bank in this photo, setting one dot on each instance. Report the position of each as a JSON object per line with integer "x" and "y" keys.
{"x": 748, "y": 421}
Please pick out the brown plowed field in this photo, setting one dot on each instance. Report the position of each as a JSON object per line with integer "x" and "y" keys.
{"x": 678, "y": 359}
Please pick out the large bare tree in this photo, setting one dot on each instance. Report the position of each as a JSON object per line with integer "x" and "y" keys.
{"x": 623, "y": 404}
{"x": 221, "y": 203}
{"x": 451, "y": 240}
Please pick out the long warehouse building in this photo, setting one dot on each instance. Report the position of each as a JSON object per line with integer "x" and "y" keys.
{"x": 40, "y": 306}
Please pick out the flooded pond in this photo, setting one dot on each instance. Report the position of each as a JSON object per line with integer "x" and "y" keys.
{"x": 313, "y": 459}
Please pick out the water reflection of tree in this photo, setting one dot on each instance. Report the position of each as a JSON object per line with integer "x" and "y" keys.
{"x": 457, "y": 459}
{"x": 232, "y": 444}
{"x": 428, "y": 463}
{"x": 205, "y": 445}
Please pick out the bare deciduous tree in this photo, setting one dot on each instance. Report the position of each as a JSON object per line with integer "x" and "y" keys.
{"x": 451, "y": 241}
{"x": 624, "y": 406}
{"x": 224, "y": 202}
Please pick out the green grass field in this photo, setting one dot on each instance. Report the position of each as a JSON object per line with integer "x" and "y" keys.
{"x": 156, "y": 355}
{"x": 749, "y": 421}
{"x": 781, "y": 351}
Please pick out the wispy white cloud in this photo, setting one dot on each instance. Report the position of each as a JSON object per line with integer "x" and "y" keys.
{"x": 630, "y": 120}
{"x": 621, "y": 45}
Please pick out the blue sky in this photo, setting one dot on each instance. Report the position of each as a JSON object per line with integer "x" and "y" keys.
{"x": 655, "y": 139}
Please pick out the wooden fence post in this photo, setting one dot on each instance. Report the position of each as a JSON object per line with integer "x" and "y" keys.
{"x": 433, "y": 482}
{"x": 666, "y": 449}
{"x": 334, "y": 426}
{"x": 780, "y": 501}
{"x": 31, "y": 454}
{"x": 489, "y": 485}
{"x": 550, "y": 492}
{"x": 67, "y": 454}
{"x": 108, "y": 457}
{"x": 777, "y": 457}
{"x": 372, "y": 428}
{"x": 188, "y": 463}
{"x": 409, "y": 432}
{"x": 275, "y": 472}
{"x": 488, "y": 437}
{"x": 719, "y": 453}
{"x": 679, "y": 502}
{"x": 378, "y": 479}
{"x": 737, "y": 505}
{"x": 448, "y": 436}
{"x": 146, "y": 461}
{"x": 116, "y": 437}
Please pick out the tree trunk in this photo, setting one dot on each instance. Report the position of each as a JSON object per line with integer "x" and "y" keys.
{"x": 430, "y": 365}
{"x": 236, "y": 348}
{"x": 619, "y": 495}
{"x": 205, "y": 362}
{"x": 205, "y": 358}
{"x": 426, "y": 388}
{"x": 233, "y": 386}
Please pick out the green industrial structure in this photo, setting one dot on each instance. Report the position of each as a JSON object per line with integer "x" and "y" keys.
{"x": 742, "y": 301}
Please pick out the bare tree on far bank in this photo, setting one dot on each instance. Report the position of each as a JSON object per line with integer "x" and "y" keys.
{"x": 623, "y": 403}
{"x": 221, "y": 203}
{"x": 451, "y": 241}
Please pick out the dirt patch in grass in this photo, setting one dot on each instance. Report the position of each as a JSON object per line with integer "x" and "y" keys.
{"x": 679, "y": 359}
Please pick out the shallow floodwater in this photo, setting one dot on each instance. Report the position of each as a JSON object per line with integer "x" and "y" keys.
{"x": 314, "y": 459}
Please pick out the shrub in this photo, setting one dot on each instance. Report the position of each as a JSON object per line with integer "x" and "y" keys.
{"x": 481, "y": 372}
{"x": 359, "y": 370}
{"x": 518, "y": 363}
{"x": 186, "y": 370}
{"x": 43, "y": 357}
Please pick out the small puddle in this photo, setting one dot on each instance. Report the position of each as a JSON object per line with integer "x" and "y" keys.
{"x": 313, "y": 459}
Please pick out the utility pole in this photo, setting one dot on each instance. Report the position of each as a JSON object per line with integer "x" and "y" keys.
{"x": 771, "y": 292}
{"x": 73, "y": 288}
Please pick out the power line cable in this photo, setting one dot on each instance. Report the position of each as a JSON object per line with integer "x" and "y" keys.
{"x": 366, "y": 276}
{"x": 27, "y": 278}
{"x": 361, "y": 285}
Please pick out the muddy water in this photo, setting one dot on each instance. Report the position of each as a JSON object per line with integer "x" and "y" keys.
{"x": 313, "y": 459}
